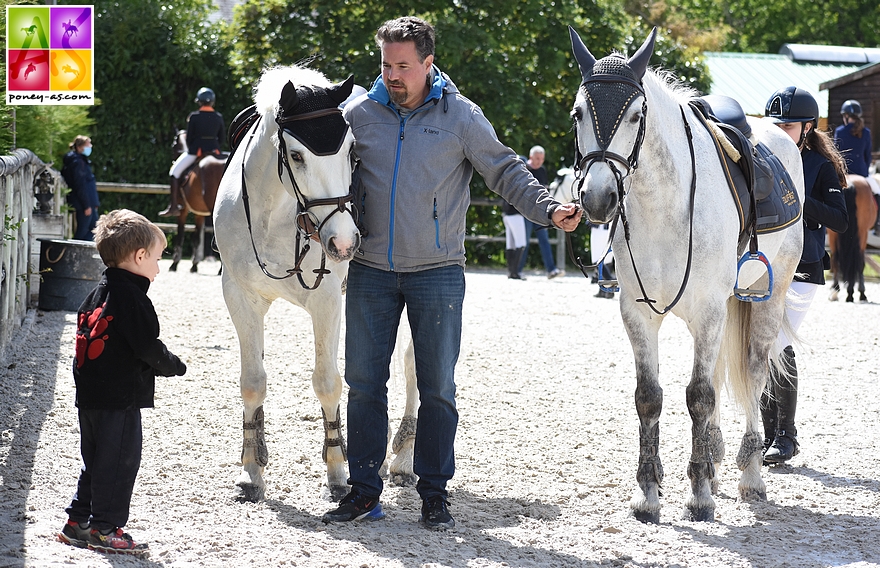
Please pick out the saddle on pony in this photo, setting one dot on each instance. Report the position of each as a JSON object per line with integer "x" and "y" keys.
{"x": 759, "y": 183}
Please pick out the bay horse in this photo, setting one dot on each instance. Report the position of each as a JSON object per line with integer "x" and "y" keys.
{"x": 848, "y": 248}
{"x": 198, "y": 192}
{"x": 287, "y": 187}
{"x": 644, "y": 158}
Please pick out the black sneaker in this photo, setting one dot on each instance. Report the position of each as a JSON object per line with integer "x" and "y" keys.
{"x": 75, "y": 534}
{"x": 435, "y": 514}
{"x": 355, "y": 507}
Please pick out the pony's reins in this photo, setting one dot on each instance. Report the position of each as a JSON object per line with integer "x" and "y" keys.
{"x": 304, "y": 223}
{"x": 587, "y": 161}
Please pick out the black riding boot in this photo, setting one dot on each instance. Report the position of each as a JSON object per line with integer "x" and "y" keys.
{"x": 877, "y": 222}
{"x": 769, "y": 410}
{"x": 785, "y": 444}
{"x": 173, "y": 210}
{"x": 513, "y": 258}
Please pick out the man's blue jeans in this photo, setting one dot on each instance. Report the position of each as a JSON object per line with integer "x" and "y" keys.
{"x": 543, "y": 244}
{"x": 374, "y": 302}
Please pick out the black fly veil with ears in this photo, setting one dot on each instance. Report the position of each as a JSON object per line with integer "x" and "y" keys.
{"x": 312, "y": 115}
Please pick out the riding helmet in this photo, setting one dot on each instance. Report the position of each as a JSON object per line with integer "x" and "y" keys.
{"x": 851, "y": 107}
{"x": 792, "y": 104}
{"x": 205, "y": 96}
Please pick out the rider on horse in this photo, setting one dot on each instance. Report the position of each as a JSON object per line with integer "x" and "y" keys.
{"x": 204, "y": 130}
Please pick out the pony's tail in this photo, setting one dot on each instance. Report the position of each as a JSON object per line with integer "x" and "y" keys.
{"x": 734, "y": 356}
{"x": 849, "y": 255}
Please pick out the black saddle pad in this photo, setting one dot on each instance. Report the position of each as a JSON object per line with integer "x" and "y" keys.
{"x": 758, "y": 173}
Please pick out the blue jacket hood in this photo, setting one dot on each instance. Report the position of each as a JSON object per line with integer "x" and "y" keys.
{"x": 379, "y": 93}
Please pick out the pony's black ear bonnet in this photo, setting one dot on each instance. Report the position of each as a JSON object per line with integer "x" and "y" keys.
{"x": 610, "y": 84}
{"x": 312, "y": 115}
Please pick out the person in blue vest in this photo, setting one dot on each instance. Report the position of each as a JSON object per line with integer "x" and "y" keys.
{"x": 796, "y": 112}
{"x": 204, "y": 130}
{"x": 853, "y": 139}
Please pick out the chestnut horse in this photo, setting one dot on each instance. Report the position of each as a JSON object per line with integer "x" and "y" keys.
{"x": 848, "y": 248}
{"x": 198, "y": 192}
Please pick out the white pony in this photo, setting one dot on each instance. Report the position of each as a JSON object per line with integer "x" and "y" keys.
{"x": 677, "y": 245}
{"x": 287, "y": 187}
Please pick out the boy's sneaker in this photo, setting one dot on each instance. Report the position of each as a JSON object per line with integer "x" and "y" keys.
{"x": 75, "y": 534}
{"x": 435, "y": 514}
{"x": 355, "y": 507}
{"x": 116, "y": 542}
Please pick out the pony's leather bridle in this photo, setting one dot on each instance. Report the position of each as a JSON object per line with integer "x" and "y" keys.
{"x": 306, "y": 228}
{"x": 585, "y": 162}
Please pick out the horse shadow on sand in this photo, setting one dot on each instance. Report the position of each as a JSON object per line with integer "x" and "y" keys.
{"x": 800, "y": 535}
{"x": 30, "y": 396}
{"x": 399, "y": 536}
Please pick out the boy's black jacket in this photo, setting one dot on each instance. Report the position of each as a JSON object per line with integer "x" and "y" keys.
{"x": 118, "y": 351}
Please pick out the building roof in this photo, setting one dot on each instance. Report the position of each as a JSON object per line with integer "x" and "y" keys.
{"x": 860, "y": 73}
{"x": 751, "y": 78}
{"x": 803, "y": 53}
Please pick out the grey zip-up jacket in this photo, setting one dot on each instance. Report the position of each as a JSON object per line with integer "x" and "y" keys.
{"x": 412, "y": 185}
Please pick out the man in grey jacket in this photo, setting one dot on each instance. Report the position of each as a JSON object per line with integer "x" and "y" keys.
{"x": 418, "y": 140}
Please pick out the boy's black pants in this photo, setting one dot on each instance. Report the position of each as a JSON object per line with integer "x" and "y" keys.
{"x": 110, "y": 442}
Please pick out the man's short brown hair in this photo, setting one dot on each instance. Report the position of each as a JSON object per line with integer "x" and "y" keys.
{"x": 408, "y": 28}
{"x": 121, "y": 233}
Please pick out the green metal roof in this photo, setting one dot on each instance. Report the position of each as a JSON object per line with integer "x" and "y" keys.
{"x": 751, "y": 78}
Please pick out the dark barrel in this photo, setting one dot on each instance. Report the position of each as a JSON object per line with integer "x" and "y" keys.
{"x": 69, "y": 270}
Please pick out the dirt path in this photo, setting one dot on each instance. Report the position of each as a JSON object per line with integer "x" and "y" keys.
{"x": 546, "y": 448}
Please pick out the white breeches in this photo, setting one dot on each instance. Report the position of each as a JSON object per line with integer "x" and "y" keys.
{"x": 797, "y": 302}
{"x": 514, "y": 231}
{"x": 599, "y": 243}
{"x": 181, "y": 163}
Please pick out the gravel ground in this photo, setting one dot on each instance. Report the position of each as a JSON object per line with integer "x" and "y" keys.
{"x": 546, "y": 449}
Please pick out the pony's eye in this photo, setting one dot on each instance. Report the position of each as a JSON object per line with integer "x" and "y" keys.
{"x": 635, "y": 117}
{"x": 296, "y": 157}
{"x": 576, "y": 114}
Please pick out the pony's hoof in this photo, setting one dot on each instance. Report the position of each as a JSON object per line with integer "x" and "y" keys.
{"x": 702, "y": 514}
{"x": 753, "y": 495}
{"x": 849, "y": 298}
{"x": 251, "y": 493}
{"x": 863, "y": 298}
{"x": 652, "y": 517}
{"x": 194, "y": 268}
{"x": 173, "y": 267}
{"x": 337, "y": 492}
{"x": 403, "y": 479}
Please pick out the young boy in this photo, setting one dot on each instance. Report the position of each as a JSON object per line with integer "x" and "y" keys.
{"x": 118, "y": 355}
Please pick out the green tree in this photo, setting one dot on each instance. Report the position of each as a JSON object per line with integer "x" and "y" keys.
{"x": 510, "y": 57}
{"x": 758, "y": 26}
{"x": 151, "y": 57}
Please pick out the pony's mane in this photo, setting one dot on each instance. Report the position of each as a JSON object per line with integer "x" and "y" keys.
{"x": 268, "y": 89}
{"x": 669, "y": 82}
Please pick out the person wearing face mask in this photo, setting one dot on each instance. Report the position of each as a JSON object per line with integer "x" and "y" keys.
{"x": 83, "y": 196}
{"x": 796, "y": 112}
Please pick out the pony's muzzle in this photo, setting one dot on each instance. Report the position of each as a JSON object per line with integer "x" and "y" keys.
{"x": 600, "y": 207}
{"x": 342, "y": 250}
